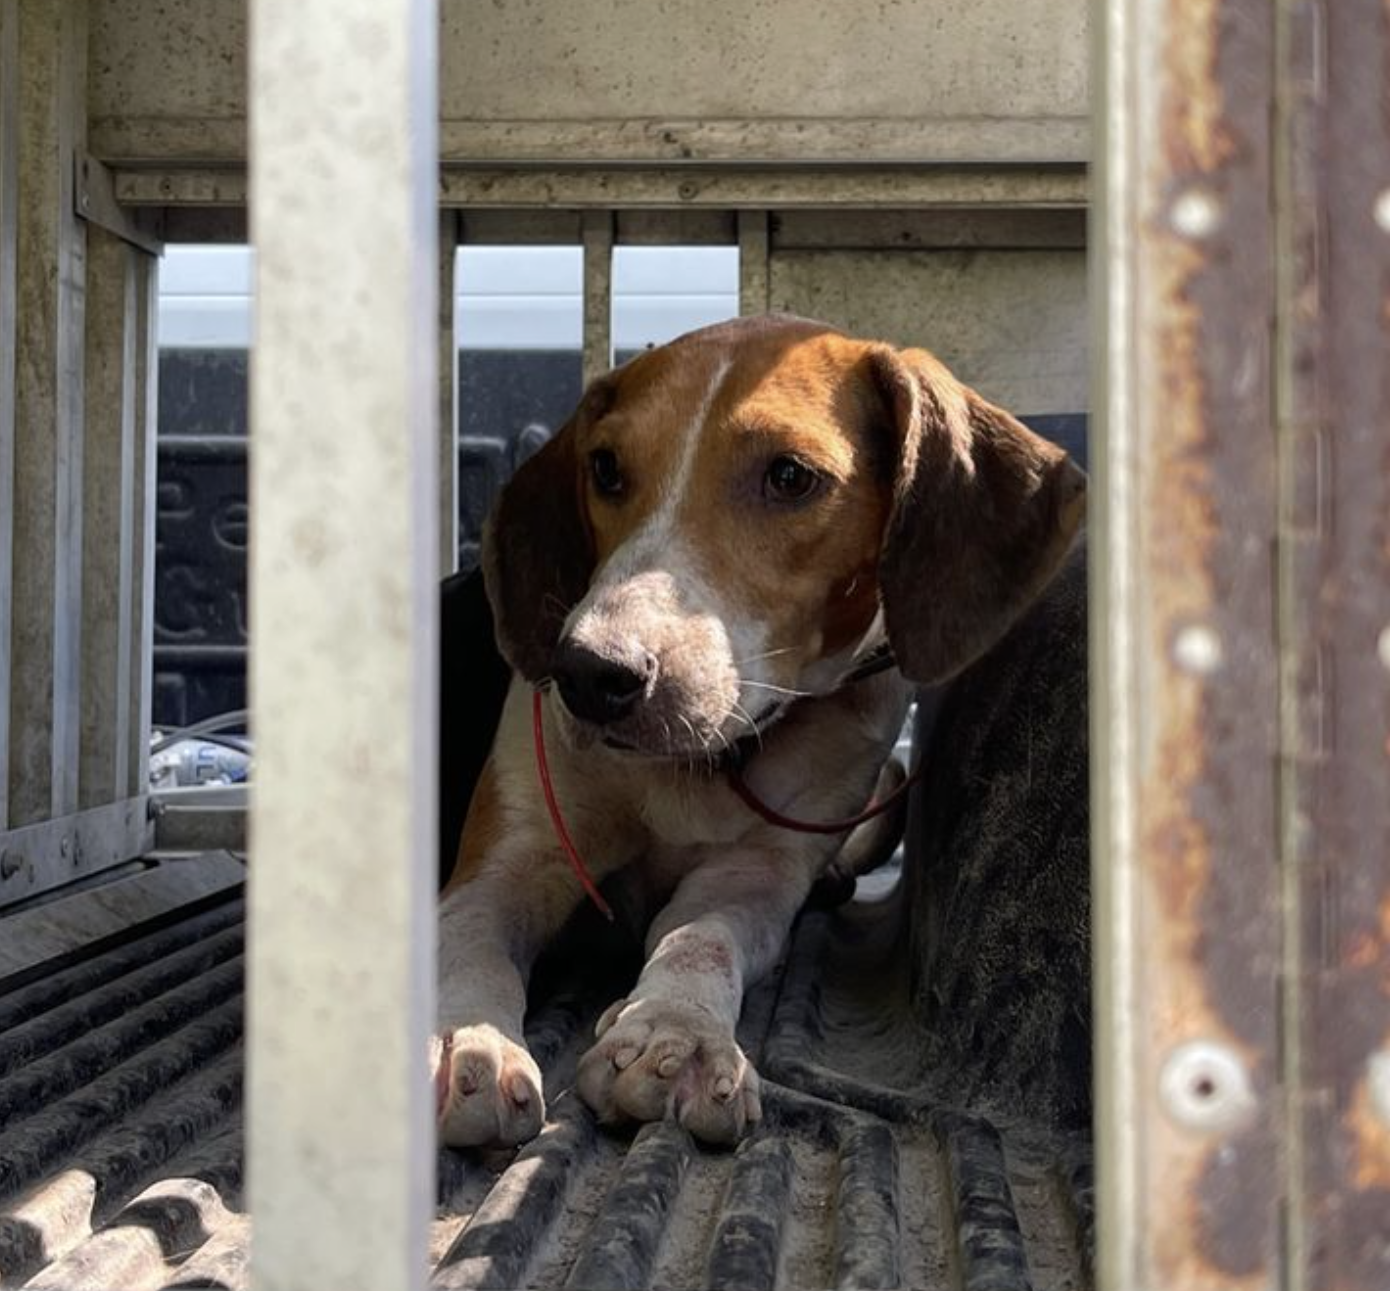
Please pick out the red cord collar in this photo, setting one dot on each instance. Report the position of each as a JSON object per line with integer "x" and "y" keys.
{"x": 736, "y": 783}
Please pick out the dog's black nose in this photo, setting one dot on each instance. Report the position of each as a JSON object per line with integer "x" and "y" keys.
{"x": 600, "y": 688}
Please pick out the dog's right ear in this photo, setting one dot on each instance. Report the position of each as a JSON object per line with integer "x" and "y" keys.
{"x": 538, "y": 554}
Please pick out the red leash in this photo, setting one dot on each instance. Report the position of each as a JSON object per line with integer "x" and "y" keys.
{"x": 758, "y": 806}
{"x": 736, "y": 783}
{"x": 581, "y": 871}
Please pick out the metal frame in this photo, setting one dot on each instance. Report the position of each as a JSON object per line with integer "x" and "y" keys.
{"x": 341, "y": 991}
{"x": 76, "y": 476}
{"x": 1241, "y": 676}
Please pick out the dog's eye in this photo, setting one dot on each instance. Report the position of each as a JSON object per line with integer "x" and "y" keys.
{"x": 789, "y": 480}
{"x": 608, "y": 475}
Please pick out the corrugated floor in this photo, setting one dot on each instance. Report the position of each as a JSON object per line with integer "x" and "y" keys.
{"x": 120, "y": 1141}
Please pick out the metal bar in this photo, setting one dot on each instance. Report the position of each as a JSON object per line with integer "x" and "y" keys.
{"x": 51, "y": 853}
{"x": 201, "y": 819}
{"x": 598, "y": 294}
{"x": 679, "y": 188}
{"x": 1185, "y": 661}
{"x": 187, "y": 139}
{"x": 45, "y": 613}
{"x": 94, "y": 193}
{"x": 107, "y": 519}
{"x": 754, "y": 279}
{"x": 344, "y": 556}
{"x": 140, "y": 520}
{"x": 448, "y": 397}
{"x": 9, "y": 184}
{"x": 1334, "y": 406}
{"x": 839, "y": 230}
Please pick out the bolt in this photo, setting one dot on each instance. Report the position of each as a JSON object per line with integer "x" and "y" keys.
{"x": 686, "y": 190}
{"x": 1204, "y": 1087}
{"x": 1196, "y": 214}
{"x": 1197, "y": 648}
{"x": 1378, "y": 1080}
{"x": 1382, "y": 210}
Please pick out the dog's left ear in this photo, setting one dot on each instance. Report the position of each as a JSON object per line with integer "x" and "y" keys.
{"x": 983, "y": 513}
{"x": 537, "y": 553}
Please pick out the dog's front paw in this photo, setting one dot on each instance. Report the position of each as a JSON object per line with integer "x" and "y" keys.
{"x": 659, "y": 1058}
{"x": 487, "y": 1089}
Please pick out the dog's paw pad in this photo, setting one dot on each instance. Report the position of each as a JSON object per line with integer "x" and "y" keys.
{"x": 488, "y": 1090}
{"x": 658, "y": 1060}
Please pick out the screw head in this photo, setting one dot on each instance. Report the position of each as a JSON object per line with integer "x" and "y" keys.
{"x": 1204, "y": 1086}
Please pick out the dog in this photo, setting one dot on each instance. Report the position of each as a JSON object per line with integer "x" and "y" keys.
{"x": 702, "y": 571}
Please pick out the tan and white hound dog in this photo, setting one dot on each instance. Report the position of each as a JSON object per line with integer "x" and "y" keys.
{"x": 699, "y": 559}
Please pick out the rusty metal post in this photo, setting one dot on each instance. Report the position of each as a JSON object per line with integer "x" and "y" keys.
{"x": 1186, "y": 683}
{"x": 1334, "y": 414}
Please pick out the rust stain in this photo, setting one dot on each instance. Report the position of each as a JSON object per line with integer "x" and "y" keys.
{"x": 1195, "y": 133}
{"x": 1207, "y": 1228}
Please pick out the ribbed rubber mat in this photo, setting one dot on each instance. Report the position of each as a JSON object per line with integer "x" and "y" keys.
{"x": 120, "y": 1143}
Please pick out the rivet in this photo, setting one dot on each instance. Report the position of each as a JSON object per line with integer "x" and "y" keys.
{"x": 1383, "y": 646}
{"x": 1197, "y": 648}
{"x": 1378, "y": 1079}
{"x": 1196, "y": 214}
{"x": 1382, "y": 210}
{"x": 1204, "y": 1086}
{"x": 686, "y": 190}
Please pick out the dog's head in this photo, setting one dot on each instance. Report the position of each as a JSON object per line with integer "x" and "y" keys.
{"x": 732, "y": 519}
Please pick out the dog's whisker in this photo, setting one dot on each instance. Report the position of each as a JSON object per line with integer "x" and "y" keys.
{"x": 781, "y": 690}
{"x": 766, "y": 654}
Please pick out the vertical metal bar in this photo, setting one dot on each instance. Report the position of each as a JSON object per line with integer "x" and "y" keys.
{"x": 108, "y": 521}
{"x": 1334, "y": 409}
{"x": 344, "y": 560}
{"x": 144, "y": 460}
{"x": 597, "y": 234}
{"x": 1185, "y": 688}
{"x": 448, "y": 396}
{"x": 45, "y": 612}
{"x": 754, "y": 285}
{"x": 9, "y": 183}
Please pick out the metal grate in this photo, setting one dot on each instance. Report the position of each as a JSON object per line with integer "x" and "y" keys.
{"x": 121, "y": 1140}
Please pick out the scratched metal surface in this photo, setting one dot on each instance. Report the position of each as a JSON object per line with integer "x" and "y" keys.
{"x": 120, "y": 1143}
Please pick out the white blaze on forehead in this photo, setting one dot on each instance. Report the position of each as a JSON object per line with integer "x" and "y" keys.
{"x": 652, "y": 544}
{"x": 657, "y": 545}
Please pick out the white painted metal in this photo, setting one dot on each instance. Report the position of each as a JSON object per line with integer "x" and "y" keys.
{"x": 1116, "y": 611}
{"x": 344, "y": 403}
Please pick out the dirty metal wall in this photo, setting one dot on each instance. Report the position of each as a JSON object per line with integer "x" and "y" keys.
{"x": 1335, "y": 447}
{"x": 994, "y": 81}
{"x": 76, "y": 473}
{"x": 1011, "y": 322}
{"x": 1242, "y": 674}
